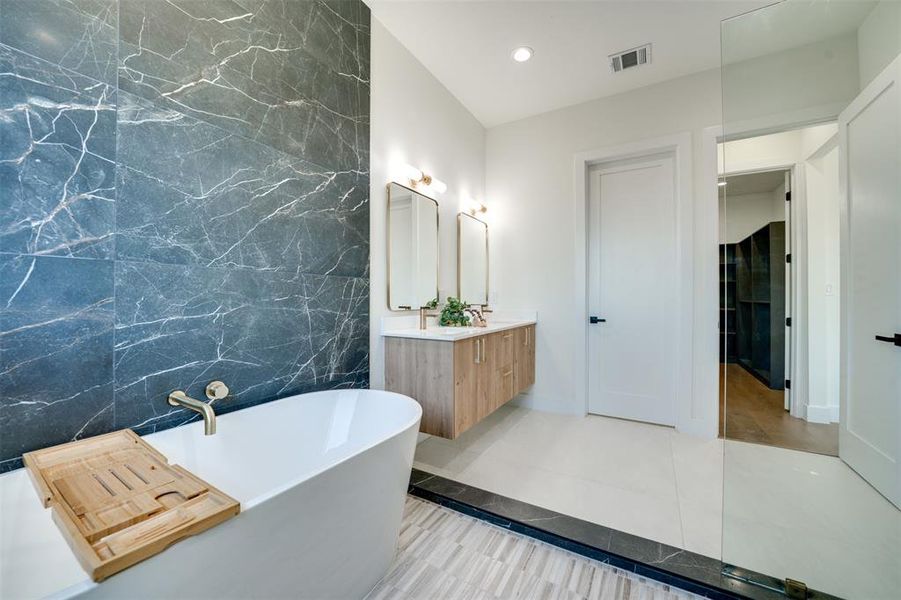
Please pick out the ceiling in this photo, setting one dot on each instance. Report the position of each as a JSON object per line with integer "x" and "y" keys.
{"x": 753, "y": 183}
{"x": 467, "y": 45}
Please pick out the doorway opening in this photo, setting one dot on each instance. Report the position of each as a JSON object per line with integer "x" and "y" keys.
{"x": 779, "y": 279}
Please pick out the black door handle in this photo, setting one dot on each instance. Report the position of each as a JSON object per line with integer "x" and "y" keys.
{"x": 596, "y": 320}
{"x": 891, "y": 340}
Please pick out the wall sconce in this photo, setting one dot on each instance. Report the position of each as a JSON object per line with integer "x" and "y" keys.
{"x": 416, "y": 177}
{"x": 477, "y": 207}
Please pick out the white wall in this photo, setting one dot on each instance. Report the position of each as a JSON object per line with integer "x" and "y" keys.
{"x": 824, "y": 316}
{"x": 805, "y": 84}
{"x": 777, "y": 202}
{"x": 531, "y": 195}
{"x": 879, "y": 39}
{"x": 742, "y": 215}
{"x": 415, "y": 120}
{"x": 758, "y": 153}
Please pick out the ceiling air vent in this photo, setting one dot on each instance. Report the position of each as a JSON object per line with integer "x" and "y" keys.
{"x": 630, "y": 58}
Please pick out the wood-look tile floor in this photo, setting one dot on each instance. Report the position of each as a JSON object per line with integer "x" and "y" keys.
{"x": 752, "y": 412}
{"x": 443, "y": 554}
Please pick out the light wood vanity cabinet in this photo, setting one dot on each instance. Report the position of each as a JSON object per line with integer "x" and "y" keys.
{"x": 459, "y": 383}
{"x": 524, "y": 361}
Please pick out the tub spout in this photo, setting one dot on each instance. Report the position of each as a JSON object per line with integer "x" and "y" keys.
{"x": 179, "y": 398}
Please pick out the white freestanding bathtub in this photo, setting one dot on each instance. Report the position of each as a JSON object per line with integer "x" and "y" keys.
{"x": 321, "y": 478}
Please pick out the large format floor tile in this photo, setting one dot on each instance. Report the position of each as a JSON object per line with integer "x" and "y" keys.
{"x": 781, "y": 512}
{"x": 809, "y": 517}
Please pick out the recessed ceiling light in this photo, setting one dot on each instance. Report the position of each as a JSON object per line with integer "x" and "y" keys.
{"x": 522, "y": 54}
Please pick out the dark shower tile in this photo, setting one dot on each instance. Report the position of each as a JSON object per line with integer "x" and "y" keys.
{"x": 266, "y": 335}
{"x": 191, "y": 193}
{"x": 335, "y": 32}
{"x": 242, "y": 237}
{"x": 56, "y": 351}
{"x": 80, "y": 35}
{"x": 57, "y": 159}
{"x": 219, "y": 62}
{"x": 10, "y": 464}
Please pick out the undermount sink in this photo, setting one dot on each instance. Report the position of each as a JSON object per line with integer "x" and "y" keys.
{"x": 449, "y": 330}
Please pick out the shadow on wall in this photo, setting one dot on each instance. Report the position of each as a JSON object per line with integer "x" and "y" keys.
{"x": 180, "y": 204}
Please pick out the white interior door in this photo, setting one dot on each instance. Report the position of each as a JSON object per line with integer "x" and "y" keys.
{"x": 632, "y": 268}
{"x": 870, "y": 155}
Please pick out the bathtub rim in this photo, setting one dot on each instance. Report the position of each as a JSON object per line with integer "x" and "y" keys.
{"x": 293, "y": 482}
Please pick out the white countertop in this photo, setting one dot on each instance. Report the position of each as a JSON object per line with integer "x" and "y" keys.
{"x": 452, "y": 334}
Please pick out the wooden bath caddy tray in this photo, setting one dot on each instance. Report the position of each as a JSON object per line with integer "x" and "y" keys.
{"x": 118, "y": 501}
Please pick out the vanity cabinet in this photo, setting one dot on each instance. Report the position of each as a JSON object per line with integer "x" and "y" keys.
{"x": 524, "y": 359}
{"x": 459, "y": 383}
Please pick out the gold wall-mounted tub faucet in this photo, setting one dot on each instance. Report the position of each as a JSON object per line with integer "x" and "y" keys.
{"x": 216, "y": 390}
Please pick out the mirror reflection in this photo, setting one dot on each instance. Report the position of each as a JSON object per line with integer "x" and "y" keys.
{"x": 412, "y": 248}
{"x": 472, "y": 259}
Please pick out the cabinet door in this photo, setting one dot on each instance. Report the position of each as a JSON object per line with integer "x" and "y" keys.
{"x": 501, "y": 358}
{"x": 524, "y": 358}
{"x": 424, "y": 370}
{"x": 484, "y": 377}
{"x": 467, "y": 363}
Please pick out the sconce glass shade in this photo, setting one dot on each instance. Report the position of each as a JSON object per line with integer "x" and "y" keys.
{"x": 412, "y": 173}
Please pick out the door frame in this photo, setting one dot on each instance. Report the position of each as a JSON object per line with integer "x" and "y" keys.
{"x": 688, "y": 417}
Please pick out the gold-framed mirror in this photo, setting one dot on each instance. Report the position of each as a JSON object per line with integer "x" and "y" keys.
{"x": 472, "y": 259}
{"x": 412, "y": 234}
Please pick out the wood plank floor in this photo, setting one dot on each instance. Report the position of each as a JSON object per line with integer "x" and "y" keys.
{"x": 443, "y": 554}
{"x": 752, "y": 412}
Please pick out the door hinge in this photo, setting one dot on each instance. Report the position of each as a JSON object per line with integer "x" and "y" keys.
{"x": 788, "y": 384}
{"x": 788, "y": 257}
{"x": 788, "y": 196}
{"x": 788, "y": 321}
{"x": 796, "y": 590}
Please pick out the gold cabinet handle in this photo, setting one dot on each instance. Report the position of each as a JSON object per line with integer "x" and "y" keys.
{"x": 478, "y": 359}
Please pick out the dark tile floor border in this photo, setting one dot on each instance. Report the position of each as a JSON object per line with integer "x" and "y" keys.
{"x": 670, "y": 565}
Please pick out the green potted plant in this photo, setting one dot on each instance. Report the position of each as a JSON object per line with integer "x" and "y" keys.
{"x": 453, "y": 314}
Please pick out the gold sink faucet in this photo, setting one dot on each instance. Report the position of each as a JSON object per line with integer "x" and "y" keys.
{"x": 214, "y": 391}
{"x": 424, "y": 313}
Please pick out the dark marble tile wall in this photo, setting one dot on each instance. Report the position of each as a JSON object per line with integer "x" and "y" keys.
{"x": 184, "y": 196}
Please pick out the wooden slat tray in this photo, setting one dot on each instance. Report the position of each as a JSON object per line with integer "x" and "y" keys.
{"x": 118, "y": 501}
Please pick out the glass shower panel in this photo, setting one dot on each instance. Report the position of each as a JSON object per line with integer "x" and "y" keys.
{"x": 810, "y": 203}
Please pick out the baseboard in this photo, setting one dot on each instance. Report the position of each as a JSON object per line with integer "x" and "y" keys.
{"x": 699, "y": 427}
{"x": 822, "y": 414}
